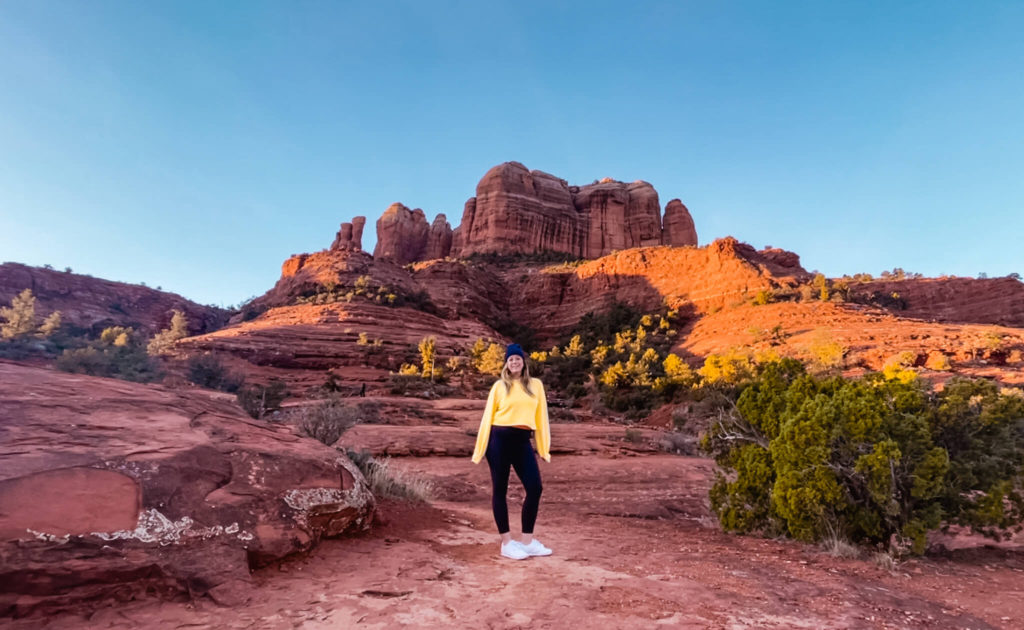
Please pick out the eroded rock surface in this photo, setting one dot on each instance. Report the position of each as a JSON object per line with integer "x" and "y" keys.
{"x": 113, "y": 489}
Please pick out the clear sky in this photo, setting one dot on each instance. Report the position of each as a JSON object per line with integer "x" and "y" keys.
{"x": 196, "y": 145}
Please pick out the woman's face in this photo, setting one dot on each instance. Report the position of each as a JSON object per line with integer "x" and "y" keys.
{"x": 515, "y": 364}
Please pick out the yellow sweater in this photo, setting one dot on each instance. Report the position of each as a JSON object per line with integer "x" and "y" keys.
{"x": 515, "y": 407}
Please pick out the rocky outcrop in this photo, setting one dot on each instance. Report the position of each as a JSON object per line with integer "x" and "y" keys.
{"x": 350, "y": 236}
{"x": 679, "y": 230}
{"x": 94, "y": 303}
{"x": 516, "y": 210}
{"x": 401, "y": 235}
{"x": 519, "y": 211}
{"x": 439, "y": 239}
{"x": 109, "y": 488}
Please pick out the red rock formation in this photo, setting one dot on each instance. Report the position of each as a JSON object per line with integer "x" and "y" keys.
{"x": 679, "y": 230}
{"x": 401, "y": 235}
{"x": 976, "y": 300}
{"x": 517, "y": 210}
{"x": 695, "y": 280}
{"x": 95, "y": 303}
{"x": 439, "y": 239}
{"x": 521, "y": 211}
{"x": 468, "y": 215}
{"x": 130, "y": 489}
{"x": 350, "y": 236}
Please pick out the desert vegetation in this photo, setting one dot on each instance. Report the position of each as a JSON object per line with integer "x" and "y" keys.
{"x": 880, "y": 460}
{"x": 363, "y": 288}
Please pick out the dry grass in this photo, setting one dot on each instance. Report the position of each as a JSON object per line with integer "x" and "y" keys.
{"x": 884, "y": 561}
{"x": 386, "y": 481}
{"x": 838, "y": 547}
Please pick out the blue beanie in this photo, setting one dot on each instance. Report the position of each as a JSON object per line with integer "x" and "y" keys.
{"x": 514, "y": 348}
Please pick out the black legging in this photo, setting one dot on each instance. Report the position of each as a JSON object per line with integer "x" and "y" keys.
{"x": 510, "y": 447}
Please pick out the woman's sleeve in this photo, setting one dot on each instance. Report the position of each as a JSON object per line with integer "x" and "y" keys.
{"x": 485, "y": 425}
{"x": 543, "y": 434}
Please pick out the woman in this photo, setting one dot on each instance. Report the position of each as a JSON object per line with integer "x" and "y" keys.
{"x": 516, "y": 407}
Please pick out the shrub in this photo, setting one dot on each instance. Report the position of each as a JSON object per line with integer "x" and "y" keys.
{"x": 732, "y": 368}
{"x": 820, "y": 285}
{"x": 490, "y": 360}
{"x": 938, "y": 361}
{"x": 259, "y": 400}
{"x": 428, "y": 354}
{"x": 410, "y": 383}
{"x": 20, "y": 316}
{"x": 51, "y": 325}
{"x": 676, "y": 443}
{"x": 117, "y": 355}
{"x": 680, "y": 417}
{"x": 387, "y": 481}
{"x": 871, "y": 460}
{"x": 900, "y": 367}
{"x": 164, "y": 340}
{"x": 206, "y": 370}
{"x": 328, "y": 420}
{"x": 764, "y": 296}
{"x": 826, "y": 353}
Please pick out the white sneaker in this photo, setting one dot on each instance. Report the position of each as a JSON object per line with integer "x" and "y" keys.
{"x": 535, "y": 548}
{"x": 514, "y": 550}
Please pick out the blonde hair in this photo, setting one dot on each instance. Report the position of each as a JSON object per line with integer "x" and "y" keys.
{"x": 524, "y": 377}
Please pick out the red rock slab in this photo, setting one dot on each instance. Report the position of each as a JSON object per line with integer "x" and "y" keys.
{"x": 117, "y": 489}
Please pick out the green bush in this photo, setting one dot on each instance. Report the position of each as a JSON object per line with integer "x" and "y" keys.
{"x": 118, "y": 353}
{"x": 874, "y": 461}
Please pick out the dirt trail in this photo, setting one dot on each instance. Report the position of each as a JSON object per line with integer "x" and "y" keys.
{"x": 635, "y": 547}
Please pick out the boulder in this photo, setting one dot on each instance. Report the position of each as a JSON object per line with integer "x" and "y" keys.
{"x": 117, "y": 489}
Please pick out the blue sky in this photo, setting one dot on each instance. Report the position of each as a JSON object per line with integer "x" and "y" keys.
{"x": 196, "y": 145}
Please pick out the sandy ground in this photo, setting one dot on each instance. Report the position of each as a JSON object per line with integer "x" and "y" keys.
{"x": 635, "y": 547}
